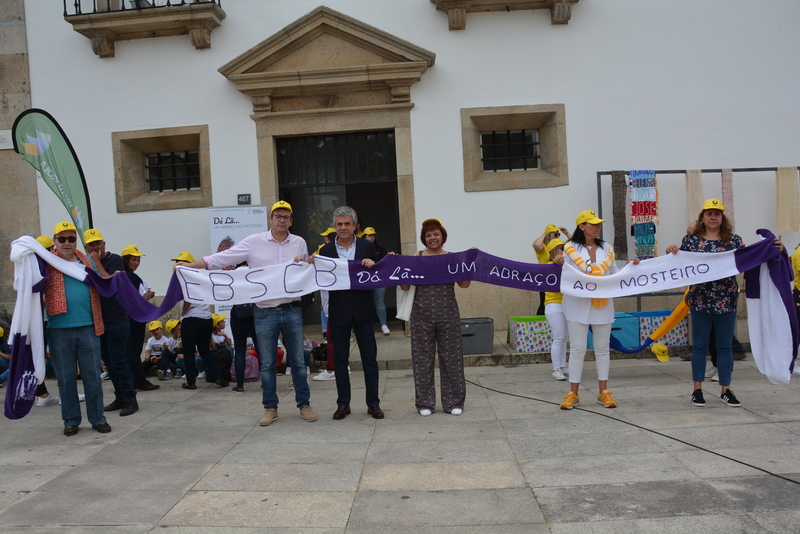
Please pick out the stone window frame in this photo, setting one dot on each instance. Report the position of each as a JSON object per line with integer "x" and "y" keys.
{"x": 548, "y": 119}
{"x": 130, "y": 151}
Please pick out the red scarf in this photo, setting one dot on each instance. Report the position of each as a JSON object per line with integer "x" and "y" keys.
{"x": 56, "y": 296}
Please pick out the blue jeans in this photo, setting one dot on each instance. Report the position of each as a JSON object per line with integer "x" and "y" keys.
{"x": 724, "y": 324}
{"x": 379, "y": 295}
{"x": 114, "y": 351}
{"x": 241, "y": 329}
{"x": 70, "y": 347}
{"x": 270, "y": 322}
{"x": 181, "y": 362}
{"x": 196, "y": 337}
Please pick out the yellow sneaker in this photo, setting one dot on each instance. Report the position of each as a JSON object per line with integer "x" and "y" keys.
{"x": 605, "y": 399}
{"x": 570, "y": 401}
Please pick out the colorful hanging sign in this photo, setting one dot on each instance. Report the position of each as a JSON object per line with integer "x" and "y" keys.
{"x": 644, "y": 212}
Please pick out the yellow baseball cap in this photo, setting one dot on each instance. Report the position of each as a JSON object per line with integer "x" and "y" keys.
{"x": 2, "y": 331}
{"x": 553, "y": 244}
{"x": 131, "y": 250}
{"x": 171, "y": 324}
{"x": 45, "y": 241}
{"x": 713, "y": 204}
{"x": 588, "y": 216}
{"x": 550, "y": 228}
{"x": 63, "y": 226}
{"x": 217, "y": 318}
{"x": 152, "y": 325}
{"x": 184, "y": 256}
{"x": 370, "y": 231}
{"x": 281, "y": 204}
{"x": 426, "y": 221}
{"x": 329, "y": 231}
{"x": 91, "y": 235}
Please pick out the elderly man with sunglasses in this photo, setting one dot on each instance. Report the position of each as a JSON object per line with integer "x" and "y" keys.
{"x": 73, "y": 330}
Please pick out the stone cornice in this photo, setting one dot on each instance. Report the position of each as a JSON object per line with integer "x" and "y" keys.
{"x": 312, "y": 82}
{"x": 456, "y": 10}
{"x": 322, "y": 20}
{"x": 328, "y": 53}
{"x": 104, "y": 29}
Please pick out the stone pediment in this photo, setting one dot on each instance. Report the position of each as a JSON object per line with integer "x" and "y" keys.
{"x": 327, "y": 53}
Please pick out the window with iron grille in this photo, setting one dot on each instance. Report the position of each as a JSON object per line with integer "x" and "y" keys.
{"x": 332, "y": 159}
{"x": 510, "y": 150}
{"x": 173, "y": 171}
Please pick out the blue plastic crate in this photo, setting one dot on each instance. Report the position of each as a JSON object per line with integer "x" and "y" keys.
{"x": 625, "y": 329}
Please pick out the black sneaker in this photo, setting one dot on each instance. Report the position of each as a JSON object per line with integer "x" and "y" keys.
{"x": 697, "y": 398}
{"x": 730, "y": 399}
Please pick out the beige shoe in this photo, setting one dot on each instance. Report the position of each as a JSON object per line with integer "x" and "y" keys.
{"x": 308, "y": 414}
{"x": 269, "y": 416}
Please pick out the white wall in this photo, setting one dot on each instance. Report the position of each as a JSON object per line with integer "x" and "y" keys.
{"x": 646, "y": 85}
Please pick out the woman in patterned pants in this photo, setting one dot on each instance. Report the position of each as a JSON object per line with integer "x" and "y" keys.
{"x": 436, "y": 324}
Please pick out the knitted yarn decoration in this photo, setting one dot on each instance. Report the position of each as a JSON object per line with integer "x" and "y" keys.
{"x": 619, "y": 196}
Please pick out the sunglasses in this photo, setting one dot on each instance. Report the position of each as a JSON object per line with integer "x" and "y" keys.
{"x": 71, "y": 239}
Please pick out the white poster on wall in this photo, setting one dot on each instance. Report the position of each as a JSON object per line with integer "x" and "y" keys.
{"x": 228, "y": 227}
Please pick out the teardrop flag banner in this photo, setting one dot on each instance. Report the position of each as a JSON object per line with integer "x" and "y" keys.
{"x": 43, "y": 144}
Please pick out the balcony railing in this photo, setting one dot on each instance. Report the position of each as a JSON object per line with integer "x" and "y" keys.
{"x": 105, "y": 22}
{"x": 80, "y": 7}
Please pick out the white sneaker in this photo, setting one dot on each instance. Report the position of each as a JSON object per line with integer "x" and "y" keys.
{"x": 104, "y": 375}
{"x": 349, "y": 372}
{"x": 81, "y": 398}
{"x": 50, "y": 399}
{"x": 565, "y": 370}
{"x": 558, "y": 374}
{"x": 711, "y": 373}
{"x": 796, "y": 371}
{"x": 456, "y": 411}
{"x": 325, "y": 375}
{"x": 385, "y": 330}
{"x": 288, "y": 371}
{"x": 201, "y": 375}
{"x": 425, "y": 412}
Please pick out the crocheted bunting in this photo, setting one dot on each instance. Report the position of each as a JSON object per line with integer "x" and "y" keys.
{"x": 619, "y": 195}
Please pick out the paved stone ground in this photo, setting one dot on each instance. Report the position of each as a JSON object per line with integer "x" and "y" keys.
{"x": 197, "y": 461}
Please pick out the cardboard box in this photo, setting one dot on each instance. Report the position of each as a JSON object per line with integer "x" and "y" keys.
{"x": 651, "y": 320}
{"x": 477, "y": 335}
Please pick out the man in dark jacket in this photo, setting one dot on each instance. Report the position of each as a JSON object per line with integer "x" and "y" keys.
{"x": 114, "y": 342}
{"x": 352, "y": 309}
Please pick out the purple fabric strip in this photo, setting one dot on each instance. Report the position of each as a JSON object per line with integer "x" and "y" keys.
{"x": 21, "y": 390}
{"x": 752, "y": 256}
{"x": 39, "y": 287}
{"x": 138, "y": 308}
{"x": 473, "y": 264}
{"x": 782, "y": 274}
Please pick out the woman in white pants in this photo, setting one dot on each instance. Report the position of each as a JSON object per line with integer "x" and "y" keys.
{"x": 590, "y": 254}
{"x": 556, "y": 319}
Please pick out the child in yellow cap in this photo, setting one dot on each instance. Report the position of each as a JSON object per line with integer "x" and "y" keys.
{"x": 156, "y": 345}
